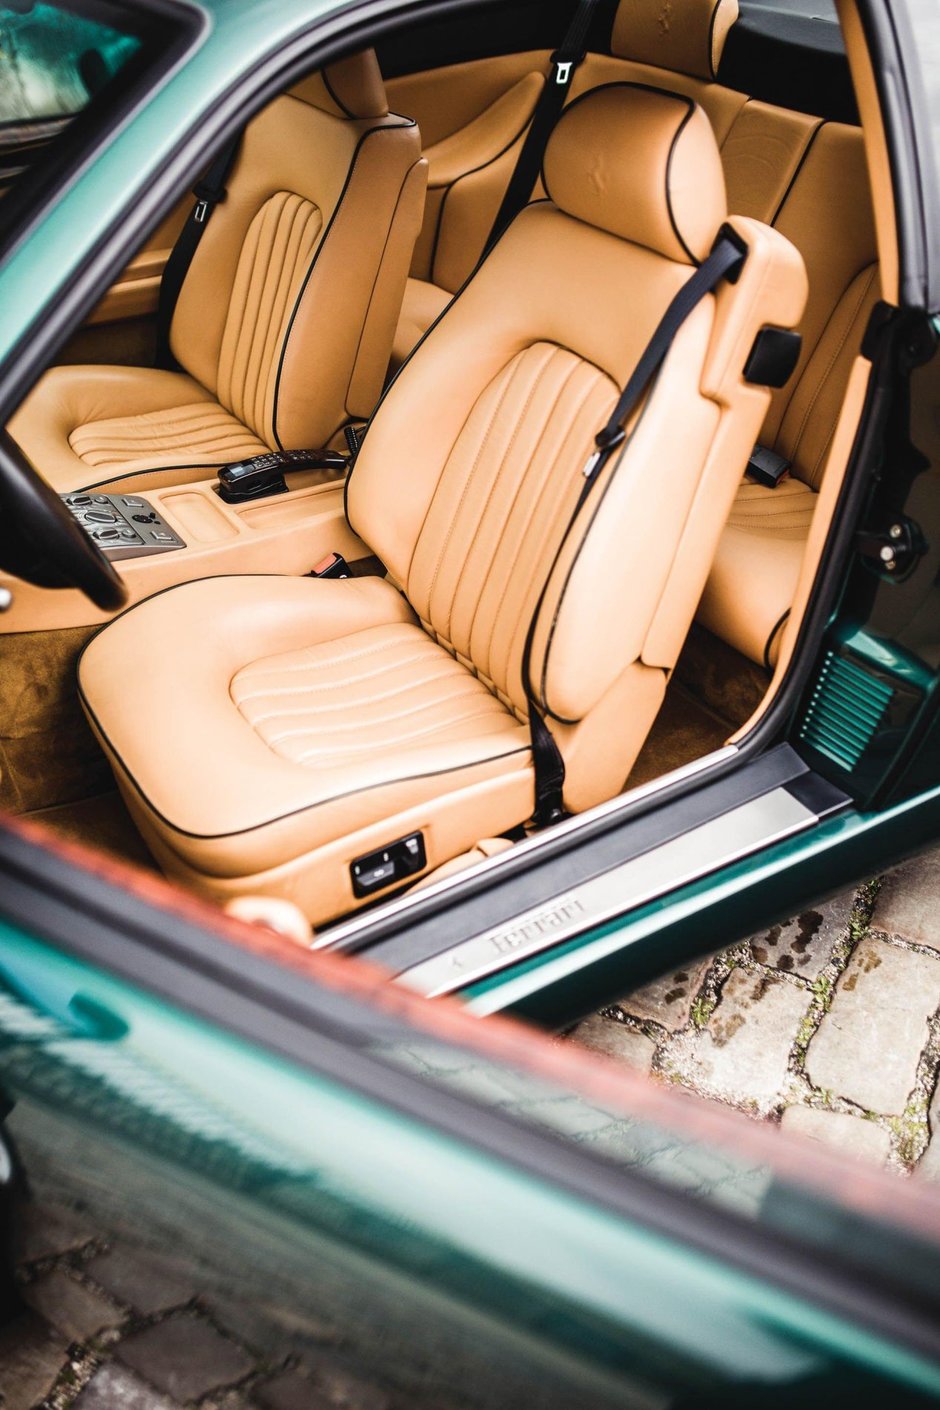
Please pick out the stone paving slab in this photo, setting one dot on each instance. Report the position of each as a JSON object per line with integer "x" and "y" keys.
{"x": 742, "y": 1054}
{"x": 73, "y": 1308}
{"x": 852, "y": 1134}
{"x": 908, "y": 904}
{"x": 185, "y": 1358}
{"x": 113, "y": 1387}
{"x": 828, "y": 1024}
{"x": 882, "y": 1007}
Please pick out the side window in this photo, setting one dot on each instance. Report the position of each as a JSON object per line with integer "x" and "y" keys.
{"x": 67, "y": 69}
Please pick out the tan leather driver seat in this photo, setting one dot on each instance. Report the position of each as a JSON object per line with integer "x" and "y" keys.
{"x": 284, "y": 324}
{"x": 266, "y": 732}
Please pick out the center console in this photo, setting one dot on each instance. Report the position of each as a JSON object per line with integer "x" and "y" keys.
{"x": 160, "y": 537}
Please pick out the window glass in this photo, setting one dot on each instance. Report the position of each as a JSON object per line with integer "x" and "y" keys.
{"x": 65, "y": 69}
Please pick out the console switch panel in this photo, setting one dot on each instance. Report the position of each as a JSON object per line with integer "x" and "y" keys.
{"x": 124, "y": 525}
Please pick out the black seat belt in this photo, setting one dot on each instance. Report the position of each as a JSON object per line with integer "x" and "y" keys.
{"x": 208, "y": 193}
{"x": 565, "y": 61}
{"x": 724, "y": 262}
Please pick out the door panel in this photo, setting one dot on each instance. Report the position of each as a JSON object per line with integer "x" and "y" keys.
{"x": 121, "y": 329}
{"x": 136, "y": 293}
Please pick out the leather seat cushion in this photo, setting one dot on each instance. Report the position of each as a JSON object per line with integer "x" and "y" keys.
{"x": 302, "y": 710}
{"x": 755, "y": 572}
{"x": 68, "y": 427}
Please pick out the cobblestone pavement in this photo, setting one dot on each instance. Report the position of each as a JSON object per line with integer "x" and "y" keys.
{"x": 829, "y": 1024}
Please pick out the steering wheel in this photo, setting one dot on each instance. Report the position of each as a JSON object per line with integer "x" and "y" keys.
{"x": 41, "y": 541}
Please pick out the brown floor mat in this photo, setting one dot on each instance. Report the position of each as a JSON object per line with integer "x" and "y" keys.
{"x": 684, "y": 730}
{"x": 101, "y": 822}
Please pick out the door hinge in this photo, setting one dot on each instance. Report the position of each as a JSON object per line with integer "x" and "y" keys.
{"x": 894, "y": 551}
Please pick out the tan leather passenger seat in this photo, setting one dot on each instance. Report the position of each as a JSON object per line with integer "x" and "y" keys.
{"x": 284, "y": 325}
{"x": 296, "y": 724}
{"x": 808, "y": 179}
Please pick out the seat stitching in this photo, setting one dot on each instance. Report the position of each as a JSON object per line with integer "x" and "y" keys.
{"x": 508, "y": 377}
{"x": 399, "y": 739}
{"x": 521, "y": 485}
{"x": 323, "y": 728}
{"x": 551, "y": 530}
{"x": 331, "y": 661}
{"x": 232, "y": 330}
{"x": 371, "y": 699}
{"x": 537, "y": 378}
{"x": 835, "y": 419}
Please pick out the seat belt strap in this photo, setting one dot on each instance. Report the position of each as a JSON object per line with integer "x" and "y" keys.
{"x": 723, "y": 263}
{"x": 565, "y": 62}
{"x": 209, "y": 192}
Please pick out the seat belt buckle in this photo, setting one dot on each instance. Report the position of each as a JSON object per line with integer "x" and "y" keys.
{"x": 201, "y": 211}
{"x": 334, "y": 565}
{"x": 767, "y": 468}
{"x": 563, "y": 68}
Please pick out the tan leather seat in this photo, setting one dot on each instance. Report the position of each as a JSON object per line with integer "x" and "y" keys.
{"x": 828, "y": 215}
{"x": 284, "y": 325}
{"x": 266, "y": 731}
{"x": 808, "y": 179}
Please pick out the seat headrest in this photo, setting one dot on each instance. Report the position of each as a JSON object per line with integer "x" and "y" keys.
{"x": 641, "y": 164}
{"x": 351, "y": 88}
{"x": 685, "y": 36}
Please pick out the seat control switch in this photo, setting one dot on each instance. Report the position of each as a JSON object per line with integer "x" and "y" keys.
{"x": 388, "y": 866}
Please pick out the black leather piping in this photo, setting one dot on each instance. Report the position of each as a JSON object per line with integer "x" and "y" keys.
{"x": 151, "y": 470}
{"x": 463, "y": 176}
{"x": 387, "y": 127}
{"x": 351, "y": 417}
{"x": 775, "y": 630}
{"x": 325, "y": 75}
{"x": 799, "y": 167}
{"x": 690, "y": 106}
{"x": 711, "y": 42}
{"x": 283, "y": 817}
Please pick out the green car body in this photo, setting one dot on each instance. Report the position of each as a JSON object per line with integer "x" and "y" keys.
{"x": 416, "y": 1199}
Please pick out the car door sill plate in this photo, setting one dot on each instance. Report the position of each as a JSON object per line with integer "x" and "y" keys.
{"x": 736, "y": 834}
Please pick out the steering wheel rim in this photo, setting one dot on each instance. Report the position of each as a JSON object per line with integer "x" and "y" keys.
{"x": 42, "y": 542}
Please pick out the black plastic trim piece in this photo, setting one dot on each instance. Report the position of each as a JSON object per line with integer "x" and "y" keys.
{"x": 817, "y": 794}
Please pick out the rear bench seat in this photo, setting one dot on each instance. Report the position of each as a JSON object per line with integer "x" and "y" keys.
{"x": 805, "y": 176}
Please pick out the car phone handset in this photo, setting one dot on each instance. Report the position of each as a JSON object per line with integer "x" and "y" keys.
{"x": 263, "y": 475}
